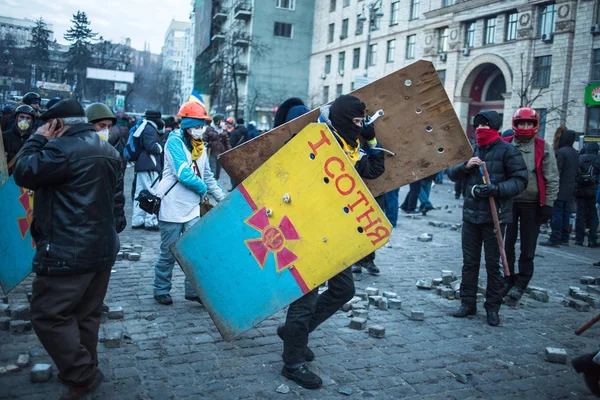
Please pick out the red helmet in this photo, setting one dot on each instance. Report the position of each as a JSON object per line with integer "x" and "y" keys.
{"x": 525, "y": 114}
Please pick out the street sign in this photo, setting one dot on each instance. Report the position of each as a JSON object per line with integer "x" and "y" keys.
{"x": 301, "y": 218}
{"x": 120, "y": 102}
{"x": 54, "y": 86}
{"x": 592, "y": 94}
{"x": 110, "y": 75}
{"x": 119, "y": 86}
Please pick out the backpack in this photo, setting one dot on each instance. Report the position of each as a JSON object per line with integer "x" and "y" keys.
{"x": 134, "y": 147}
{"x": 587, "y": 177}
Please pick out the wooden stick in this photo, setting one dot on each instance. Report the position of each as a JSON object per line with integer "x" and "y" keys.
{"x": 486, "y": 180}
{"x": 587, "y": 325}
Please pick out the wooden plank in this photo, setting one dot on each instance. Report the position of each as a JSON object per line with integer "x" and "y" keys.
{"x": 280, "y": 247}
{"x": 419, "y": 125}
{"x": 3, "y": 162}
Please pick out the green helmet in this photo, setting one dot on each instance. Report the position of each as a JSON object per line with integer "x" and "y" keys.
{"x": 217, "y": 118}
{"x": 99, "y": 111}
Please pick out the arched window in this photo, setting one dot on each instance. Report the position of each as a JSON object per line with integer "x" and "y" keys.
{"x": 496, "y": 88}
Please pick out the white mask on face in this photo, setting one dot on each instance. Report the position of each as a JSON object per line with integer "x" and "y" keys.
{"x": 196, "y": 133}
{"x": 23, "y": 125}
{"x": 103, "y": 134}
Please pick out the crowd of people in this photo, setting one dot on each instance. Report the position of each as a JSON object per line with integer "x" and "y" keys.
{"x": 75, "y": 161}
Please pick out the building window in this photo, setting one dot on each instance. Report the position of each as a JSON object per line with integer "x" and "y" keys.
{"x": 547, "y": 19}
{"x": 470, "y": 36}
{"x": 331, "y": 31}
{"x": 511, "y": 26}
{"x": 443, "y": 40}
{"x": 338, "y": 90}
{"x": 376, "y": 23}
{"x": 332, "y": 5}
{"x": 325, "y": 94}
{"x": 356, "y": 58}
{"x": 411, "y": 41}
{"x": 287, "y": 4}
{"x": 395, "y": 13}
{"x": 542, "y": 112}
{"x": 447, "y": 3}
{"x": 372, "y": 54}
{"x": 391, "y": 51}
{"x": 346, "y": 3}
{"x": 344, "y": 34}
{"x": 414, "y": 9}
{"x": 596, "y": 65}
{"x": 442, "y": 75}
{"x": 359, "y": 26}
{"x": 593, "y": 121}
{"x": 541, "y": 71}
{"x": 490, "y": 31}
{"x": 327, "y": 64}
{"x": 283, "y": 30}
{"x": 341, "y": 62}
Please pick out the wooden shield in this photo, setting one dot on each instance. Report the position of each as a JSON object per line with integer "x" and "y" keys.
{"x": 301, "y": 218}
{"x": 419, "y": 125}
{"x": 16, "y": 246}
{"x": 3, "y": 162}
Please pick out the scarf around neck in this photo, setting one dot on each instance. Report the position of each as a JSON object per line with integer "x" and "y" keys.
{"x": 486, "y": 136}
{"x": 197, "y": 148}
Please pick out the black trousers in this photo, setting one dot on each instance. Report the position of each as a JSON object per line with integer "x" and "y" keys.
{"x": 473, "y": 237}
{"x": 587, "y": 215}
{"x": 526, "y": 224}
{"x": 65, "y": 313}
{"x": 308, "y": 312}
{"x": 410, "y": 201}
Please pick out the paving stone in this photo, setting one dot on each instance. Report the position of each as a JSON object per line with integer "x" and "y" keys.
{"x": 539, "y": 296}
{"x": 377, "y": 331}
{"x": 455, "y": 285}
{"x": 19, "y": 312}
{"x": 587, "y": 280}
{"x": 382, "y": 303}
{"x": 24, "y": 360}
{"x": 137, "y": 248}
{"x": 455, "y": 227}
{"x": 134, "y": 256}
{"x": 113, "y": 337}
{"x": 593, "y": 289}
{"x": 347, "y": 307}
{"x": 115, "y": 312}
{"x": 555, "y": 355}
{"x": 530, "y": 288}
{"x": 394, "y": 304}
{"x": 4, "y": 300}
{"x": 359, "y": 306}
{"x": 480, "y": 297}
{"x": 374, "y": 300}
{"x": 573, "y": 289}
{"x": 594, "y": 301}
{"x": 462, "y": 378}
{"x": 390, "y": 295}
{"x": 370, "y": 291}
{"x": 345, "y": 390}
{"x": 283, "y": 388}
{"x": 510, "y": 302}
{"x": 439, "y": 290}
{"x": 363, "y": 295}
{"x": 18, "y": 326}
{"x": 448, "y": 277}
{"x": 568, "y": 302}
{"x": 417, "y": 315}
{"x": 424, "y": 283}
{"x": 120, "y": 256}
{"x": 12, "y": 368}
{"x": 4, "y": 310}
{"x": 358, "y": 323}
{"x": 151, "y": 316}
{"x": 580, "y": 295}
{"x": 425, "y": 237}
{"x": 4, "y": 323}
{"x": 581, "y": 306}
{"x": 360, "y": 314}
{"x": 436, "y": 281}
{"x": 447, "y": 293}
{"x": 41, "y": 373}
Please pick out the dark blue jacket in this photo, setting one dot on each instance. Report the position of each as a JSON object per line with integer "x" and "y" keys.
{"x": 150, "y": 158}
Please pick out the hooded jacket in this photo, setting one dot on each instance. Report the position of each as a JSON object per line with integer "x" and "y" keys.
{"x": 588, "y": 158}
{"x": 14, "y": 139}
{"x": 150, "y": 159}
{"x": 217, "y": 141}
{"x": 567, "y": 161}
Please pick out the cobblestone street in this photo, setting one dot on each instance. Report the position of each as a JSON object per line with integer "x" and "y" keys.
{"x": 175, "y": 352}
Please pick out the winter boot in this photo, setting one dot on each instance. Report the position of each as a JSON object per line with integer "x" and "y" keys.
{"x": 493, "y": 319}
{"x": 465, "y": 311}
{"x": 302, "y": 376}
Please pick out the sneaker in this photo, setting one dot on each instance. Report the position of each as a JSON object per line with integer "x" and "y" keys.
{"x": 493, "y": 319}
{"x": 194, "y": 298}
{"x": 308, "y": 353}
{"x": 356, "y": 269}
{"x": 370, "y": 267}
{"x": 137, "y": 226}
{"x": 425, "y": 210}
{"x": 164, "y": 299}
{"x": 154, "y": 228}
{"x": 302, "y": 376}
{"x": 515, "y": 293}
{"x": 464, "y": 311}
{"x": 79, "y": 392}
{"x": 549, "y": 244}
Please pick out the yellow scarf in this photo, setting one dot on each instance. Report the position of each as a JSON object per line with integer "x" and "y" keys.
{"x": 353, "y": 153}
{"x": 197, "y": 148}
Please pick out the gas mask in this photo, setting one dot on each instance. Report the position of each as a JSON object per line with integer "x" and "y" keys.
{"x": 197, "y": 133}
{"x": 23, "y": 125}
{"x": 103, "y": 134}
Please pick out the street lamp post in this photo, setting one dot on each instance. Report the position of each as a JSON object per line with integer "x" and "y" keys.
{"x": 369, "y": 13}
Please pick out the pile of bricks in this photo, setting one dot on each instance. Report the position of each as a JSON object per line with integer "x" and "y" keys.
{"x": 584, "y": 299}
{"x": 14, "y": 317}
{"x": 131, "y": 252}
{"x": 358, "y": 309}
{"x": 448, "y": 286}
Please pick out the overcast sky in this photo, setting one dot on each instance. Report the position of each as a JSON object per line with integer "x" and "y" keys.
{"x": 140, "y": 20}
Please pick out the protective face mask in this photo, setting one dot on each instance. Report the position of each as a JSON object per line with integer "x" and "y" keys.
{"x": 198, "y": 132}
{"x": 222, "y": 124}
{"x": 103, "y": 134}
{"x": 23, "y": 125}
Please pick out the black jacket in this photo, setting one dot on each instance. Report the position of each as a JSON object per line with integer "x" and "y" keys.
{"x": 75, "y": 179}
{"x": 238, "y": 136}
{"x": 118, "y": 139}
{"x": 13, "y": 142}
{"x": 567, "y": 161}
{"x": 588, "y": 157}
{"x": 150, "y": 158}
{"x": 507, "y": 169}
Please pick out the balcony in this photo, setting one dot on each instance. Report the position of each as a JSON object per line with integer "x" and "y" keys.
{"x": 216, "y": 60}
{"x": 243, "y": 11}
{"x": 217, "y": 37}
{"x": 241, "y": 71}
{"x": 220, "y": 16}
{"x": 241, "y": 40}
